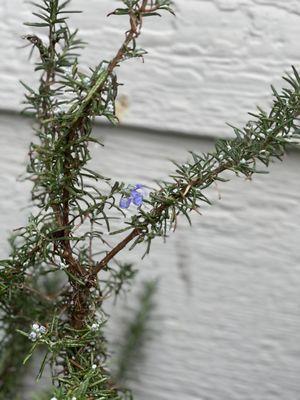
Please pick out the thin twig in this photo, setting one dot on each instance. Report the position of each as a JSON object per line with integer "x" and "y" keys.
{"x": 155, "y": 212}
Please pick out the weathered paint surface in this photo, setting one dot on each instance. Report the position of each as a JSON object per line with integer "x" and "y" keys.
{"x": 227, "y": 322}
{"x": 211, "y": 64}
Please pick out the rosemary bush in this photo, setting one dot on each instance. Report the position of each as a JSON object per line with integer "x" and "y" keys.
{"x": 61, "y": 269}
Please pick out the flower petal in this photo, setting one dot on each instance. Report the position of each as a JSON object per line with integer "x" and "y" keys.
{"x": 137, "y": 198}
{"x": 125, "y": 202}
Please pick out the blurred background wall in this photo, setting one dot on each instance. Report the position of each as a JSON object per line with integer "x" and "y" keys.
{"x": 227, "y": 320}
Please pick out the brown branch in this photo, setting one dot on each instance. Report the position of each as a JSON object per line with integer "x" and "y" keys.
{"x": 76, "y": 364}
{"x": 80, "y": 310}
{"x": 62, "y": 212}
{"x": 136, "y": 23}
{"x": 62, "y": 217}
{"x": 156, "y": 212}
{"x": 102, "y": 264}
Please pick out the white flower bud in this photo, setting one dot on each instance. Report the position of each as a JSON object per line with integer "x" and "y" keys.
{"x": 42, "y": 329}
{"x": 35, "y": 327}
{"x": 32, "y": 336}
{"x": 95, "y": 327}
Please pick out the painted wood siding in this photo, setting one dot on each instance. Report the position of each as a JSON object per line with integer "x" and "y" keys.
{"x": 227, "y": 321}
{"x": 211, "y": 64}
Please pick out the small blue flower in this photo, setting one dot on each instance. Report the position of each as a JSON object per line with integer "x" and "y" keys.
{"x": 125, "y": 202}
{"x": 137, "y": 199}
{"x": 136, "y": 196}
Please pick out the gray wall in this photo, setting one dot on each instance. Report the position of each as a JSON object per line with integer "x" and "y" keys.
{"x": 227, "y": 322}
{"x": 212, "y": 63}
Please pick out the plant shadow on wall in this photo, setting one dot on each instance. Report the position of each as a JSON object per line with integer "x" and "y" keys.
{"x": 137, "y": 331}
{"x": 66, "y": 262}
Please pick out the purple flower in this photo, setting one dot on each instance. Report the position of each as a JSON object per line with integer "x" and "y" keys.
{"x": 136, "y": 196}
{"x": 125, "y": 202}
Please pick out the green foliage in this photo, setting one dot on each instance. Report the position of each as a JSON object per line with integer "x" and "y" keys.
{"x": 53, "y": 285}
{"x": 262, "y": 139}
{"x": 13, "y": 348}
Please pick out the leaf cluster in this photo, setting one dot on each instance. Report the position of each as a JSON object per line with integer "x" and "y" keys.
{"x": 264, "y": 138}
